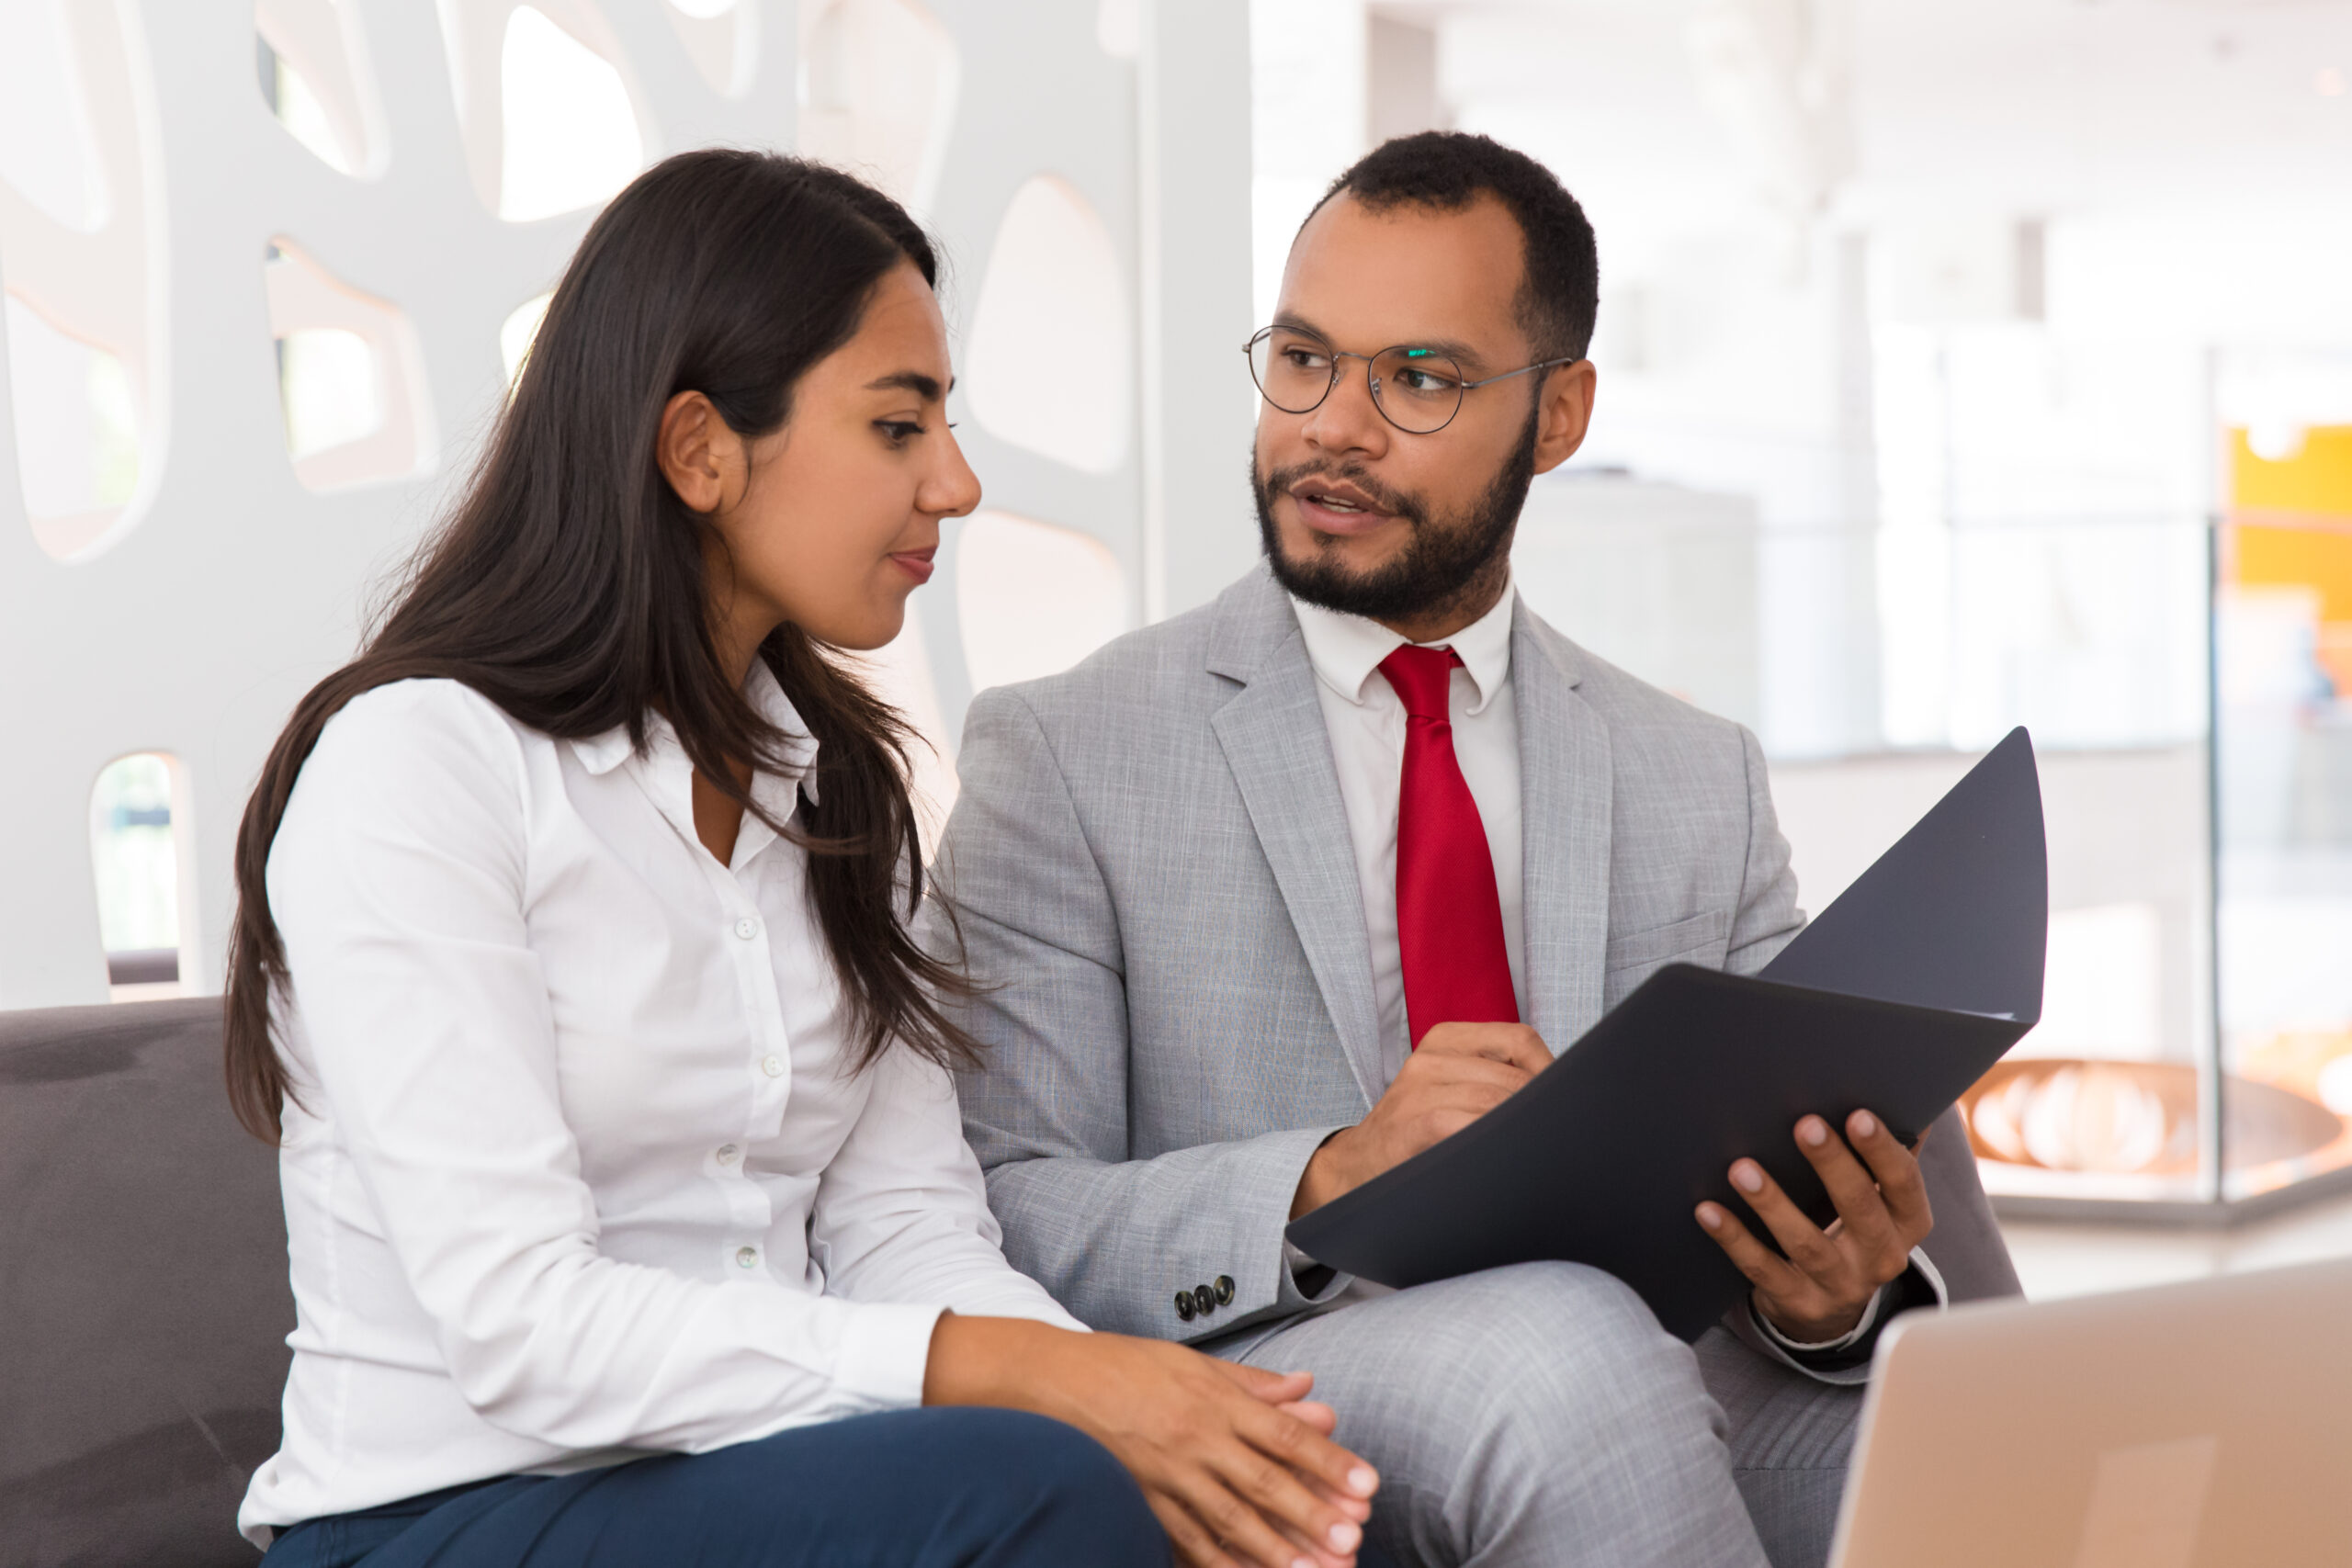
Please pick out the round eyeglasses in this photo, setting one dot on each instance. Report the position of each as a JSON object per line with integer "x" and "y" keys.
{"x": 1418, "y": 390}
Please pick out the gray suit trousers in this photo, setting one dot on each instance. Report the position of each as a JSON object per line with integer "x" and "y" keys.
{"x": 1537, "y": 1416}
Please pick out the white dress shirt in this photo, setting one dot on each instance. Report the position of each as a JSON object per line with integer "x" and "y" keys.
{"x": 1366, "y": 720}
{"x": 577, "y": 1170}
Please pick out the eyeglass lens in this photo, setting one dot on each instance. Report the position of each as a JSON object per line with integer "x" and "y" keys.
{"x": 1418, "y": 389}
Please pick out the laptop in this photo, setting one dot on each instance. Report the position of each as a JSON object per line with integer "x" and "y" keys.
{"x": 2199, "y": 1426}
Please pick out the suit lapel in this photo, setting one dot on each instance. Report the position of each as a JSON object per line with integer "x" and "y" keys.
{"x": 1563, "y": 771}
{"x": 1275, "y": 742}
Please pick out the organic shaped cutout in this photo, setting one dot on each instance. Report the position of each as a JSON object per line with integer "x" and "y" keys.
{"x": 351, "y": 376}
{"x": 310, "y": 61}
{"x": 570, "y": 138}
{"x": 877, "y": 92}
{"x": 1034, "y": 598}
{"x": 76, "y": 263}
{"x": 145, "y": 877}
{"x": 1052, "y": 354}
{"x": 46, "y": 151}
{"x": 77, "y": 438}
{"x": 551, "y": 119}
{"x": 516, "y": 334}
{"x": 722, "y": 40}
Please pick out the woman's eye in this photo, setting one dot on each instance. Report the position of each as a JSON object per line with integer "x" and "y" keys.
{"x": 898, "y": 430}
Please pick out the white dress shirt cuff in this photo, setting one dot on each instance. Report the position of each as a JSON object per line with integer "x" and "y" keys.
{"x": 1845, "y": 1341}
{"x": 1787, "y": 1349}
{"x": 885, "y": 1349}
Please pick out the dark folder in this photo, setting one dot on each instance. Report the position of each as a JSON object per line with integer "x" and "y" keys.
{"x": 1896, "y": 999}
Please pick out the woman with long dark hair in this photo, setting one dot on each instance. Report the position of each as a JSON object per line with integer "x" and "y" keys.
{"x": 630, "y": 1214}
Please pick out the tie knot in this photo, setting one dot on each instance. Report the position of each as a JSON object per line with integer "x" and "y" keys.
{"x": 1419, "y": 677}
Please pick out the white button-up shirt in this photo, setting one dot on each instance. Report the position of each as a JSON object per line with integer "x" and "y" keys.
{"x": 577, "y": 1168}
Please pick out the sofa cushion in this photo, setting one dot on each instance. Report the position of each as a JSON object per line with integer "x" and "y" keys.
{"x": 143, "y": 1296}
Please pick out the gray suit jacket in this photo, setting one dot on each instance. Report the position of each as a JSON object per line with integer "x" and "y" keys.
{"x": 1153, "y": 873}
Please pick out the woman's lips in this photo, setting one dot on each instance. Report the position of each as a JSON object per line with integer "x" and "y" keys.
{"x": 1333, "y": 520}
{"x": 917, "y": 564}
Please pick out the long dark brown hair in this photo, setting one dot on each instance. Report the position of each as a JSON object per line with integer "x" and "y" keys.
{"x": 568, "y": 584}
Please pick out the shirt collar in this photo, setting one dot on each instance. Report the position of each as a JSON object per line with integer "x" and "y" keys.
{"x": 602, "y": 753}
{"x": 1345, "y": 649}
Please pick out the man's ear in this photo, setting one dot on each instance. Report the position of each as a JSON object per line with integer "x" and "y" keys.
{"x": 703, "y": 460}
{"x": 1564, "y": 412}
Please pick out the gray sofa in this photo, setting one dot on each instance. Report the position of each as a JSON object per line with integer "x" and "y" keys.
{"x": 143, "y": 1303}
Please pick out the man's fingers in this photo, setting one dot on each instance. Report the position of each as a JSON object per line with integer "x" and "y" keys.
{"x": 1766, "y": 1269}
{"x": 1799, "y": 1237}
{"x": 1443, "y": 1072}
{"x": 1899, "y": 1177}
{"x": 1866, "y": 1223}
{"x": 1515, "y": 1043}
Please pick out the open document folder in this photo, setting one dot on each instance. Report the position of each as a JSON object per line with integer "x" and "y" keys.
{"x": 1896, "y": 999}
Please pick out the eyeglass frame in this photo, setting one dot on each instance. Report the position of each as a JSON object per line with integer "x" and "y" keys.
{"x": 1373, "y": 386}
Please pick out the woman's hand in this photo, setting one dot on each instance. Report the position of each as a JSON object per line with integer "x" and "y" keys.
{"x": 1238, "y": 1465}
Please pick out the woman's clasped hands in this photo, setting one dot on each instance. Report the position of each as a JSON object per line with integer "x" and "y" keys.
{"x": 1236, "y": 1462}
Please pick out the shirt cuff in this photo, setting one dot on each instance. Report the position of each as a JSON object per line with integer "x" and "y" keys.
{"x": 1845, "y": 1341}
{"x": 885, "y": 1349}
{"x": 1855, "y": 1340}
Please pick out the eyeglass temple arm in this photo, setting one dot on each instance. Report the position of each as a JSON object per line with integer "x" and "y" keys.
{"x": 1524, "y": 369}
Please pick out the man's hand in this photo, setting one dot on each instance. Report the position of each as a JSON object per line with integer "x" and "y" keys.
{"x": 1818, "y": 1290}
{"x": 1461, "y": 1072}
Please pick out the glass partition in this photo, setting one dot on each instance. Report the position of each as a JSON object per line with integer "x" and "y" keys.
{"x": 2283, "y": 765}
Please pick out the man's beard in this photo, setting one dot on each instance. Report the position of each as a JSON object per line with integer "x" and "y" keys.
{"x": 1439, "y": 566}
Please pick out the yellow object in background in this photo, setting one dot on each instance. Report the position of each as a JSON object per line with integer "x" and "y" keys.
{"x": 2290, "y": 526}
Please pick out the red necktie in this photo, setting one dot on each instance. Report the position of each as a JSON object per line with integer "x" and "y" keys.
{"x": 1449, "y": 918}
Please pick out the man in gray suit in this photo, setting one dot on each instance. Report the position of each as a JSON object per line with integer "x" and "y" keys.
{"x": 1275, "y": 895}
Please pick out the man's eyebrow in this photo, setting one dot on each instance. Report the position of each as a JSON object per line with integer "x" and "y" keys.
{"x": 927, "y": 387}
{"x": 1461, "y": 352}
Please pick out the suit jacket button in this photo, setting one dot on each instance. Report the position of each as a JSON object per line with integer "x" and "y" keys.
{"x": 1204, "y": 1300}
{"x": 1184, "y": 1307}
{"x": 1225, "y": 1290}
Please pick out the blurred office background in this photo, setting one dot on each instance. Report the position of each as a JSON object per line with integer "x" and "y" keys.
{"x": 1962, "y": 367}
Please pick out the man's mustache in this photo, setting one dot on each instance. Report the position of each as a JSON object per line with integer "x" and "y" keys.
{"x": 1394, "y": 502}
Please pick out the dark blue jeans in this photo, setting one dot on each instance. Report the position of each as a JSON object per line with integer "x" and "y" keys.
{"x": 931, "y": 1488}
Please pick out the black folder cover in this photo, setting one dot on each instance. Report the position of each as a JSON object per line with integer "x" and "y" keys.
{"x": 1897, "y": 998}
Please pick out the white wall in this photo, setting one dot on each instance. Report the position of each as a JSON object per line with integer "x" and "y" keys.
{"x": 190, "y": 621}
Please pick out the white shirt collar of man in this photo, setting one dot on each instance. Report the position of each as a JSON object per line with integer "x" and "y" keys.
{"x": 1346, "y": 649}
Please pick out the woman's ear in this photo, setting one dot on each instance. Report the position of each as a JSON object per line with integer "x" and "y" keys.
{"x": 703, "y": 460}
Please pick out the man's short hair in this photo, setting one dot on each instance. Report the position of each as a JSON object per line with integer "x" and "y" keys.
{"x": 1447, "y": 170}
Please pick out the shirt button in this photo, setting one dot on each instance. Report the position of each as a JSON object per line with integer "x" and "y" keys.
{"x": 726, "y": 1152}
{"x": 773, "y": 1067}
{"x": 747, "y": 1258}
{"x": 747, "y": 927}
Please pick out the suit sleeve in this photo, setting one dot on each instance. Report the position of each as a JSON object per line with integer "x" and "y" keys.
{"x": 1017, "y": 887}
